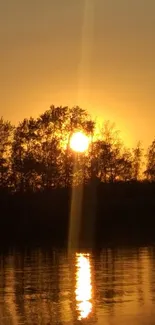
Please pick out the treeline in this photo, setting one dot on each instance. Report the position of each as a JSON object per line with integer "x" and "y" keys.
{"x": 36, "y": 155}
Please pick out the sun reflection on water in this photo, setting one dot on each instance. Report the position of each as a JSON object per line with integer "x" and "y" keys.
{"x": 83, "y": 290}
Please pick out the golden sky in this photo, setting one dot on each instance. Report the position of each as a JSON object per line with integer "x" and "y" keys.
{"x": 99, "y": 54}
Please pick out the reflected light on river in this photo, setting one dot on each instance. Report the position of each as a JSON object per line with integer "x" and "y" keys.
{"x": 83, "y": 290}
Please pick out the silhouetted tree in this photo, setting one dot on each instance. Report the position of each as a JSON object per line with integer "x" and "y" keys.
{"x": 124, "y": 166}
{"x": 109, "y": 161}
{"x": 137, "y": 161}
{"x": 150, "y": 165}
{"x": 36, "y": 154}
{"x": 41, "y": 155}
{"x": 6, "y": 134}
{"x": 68, "y": 121}
{"x": 25, "y": 151}
{"x": 50, "y": 142}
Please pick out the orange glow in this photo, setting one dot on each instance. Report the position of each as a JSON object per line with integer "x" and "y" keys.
{"x": 83, "y": 286}
{"x": 79, "y": 142}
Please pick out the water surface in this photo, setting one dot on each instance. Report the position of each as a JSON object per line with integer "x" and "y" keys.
{"x": 111, "y": 286}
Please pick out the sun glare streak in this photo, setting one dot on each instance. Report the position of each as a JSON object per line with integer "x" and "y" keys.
{"x": 79, "y": 142}
{"x": 75, "y": 217}
{"x": 85, "y": 62}
{"x": 83, "y": 289}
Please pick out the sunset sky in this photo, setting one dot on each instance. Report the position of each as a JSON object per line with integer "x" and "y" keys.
{"x": 99, "y": 54}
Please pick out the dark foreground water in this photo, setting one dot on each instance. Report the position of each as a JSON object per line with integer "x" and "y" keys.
{"x": 111, "y": 286}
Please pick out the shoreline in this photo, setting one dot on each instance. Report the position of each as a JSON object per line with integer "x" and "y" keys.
{"x": 116, "y": 213}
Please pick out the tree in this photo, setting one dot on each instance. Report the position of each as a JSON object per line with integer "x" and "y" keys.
{"x": 105, "y": 153}
{"x": 41, "y": 155}
{"x": 124, "y": 166}
{"x": 137, "y": 161}
{"x": 111, "y": 162}
{"x": 68, "y": 121}
{"x": 150, "y": 165}
{"x": 25, "y": 154}
{"x": 6, "y": 135}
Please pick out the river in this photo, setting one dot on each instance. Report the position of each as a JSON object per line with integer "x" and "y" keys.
{"x": 49, "y": 286}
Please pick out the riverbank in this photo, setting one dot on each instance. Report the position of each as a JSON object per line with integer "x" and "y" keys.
{"x": 109, "y": 213}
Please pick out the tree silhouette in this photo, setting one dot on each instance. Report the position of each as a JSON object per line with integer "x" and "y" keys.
{"x": 6, "y": 134}
{"x": 111, "y": 162}
{"x": 25, "y": 151}
{"x": 150, "y": 167}
{"x": 137, "y": 161}
{"x": 36, "y": 155}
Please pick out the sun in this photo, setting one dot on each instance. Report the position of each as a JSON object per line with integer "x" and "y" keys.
{"x": 79, "y": 142}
